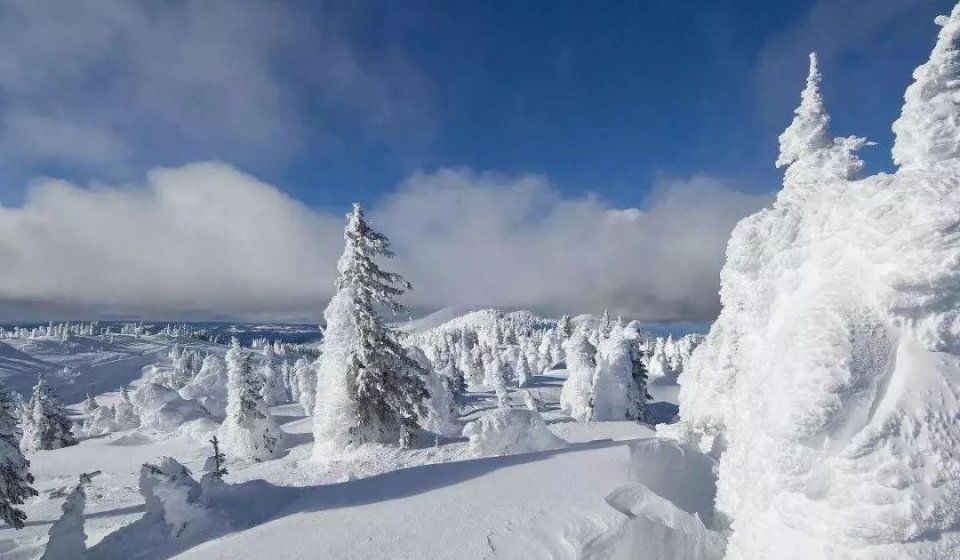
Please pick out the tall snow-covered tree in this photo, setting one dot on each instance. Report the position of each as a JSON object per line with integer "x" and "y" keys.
{"x": 15, "y": 477}
{"x": 614, "y": 395}
{"x": 47, "y": 425}
{"x": 68, "y": 540}
{"x": 638, "y": 359}
{"x": 927, "y": 131}
{"x": 524, "y": 376}
{"x": 126, "y": 415}
{"x": 565, "y": 327}
{"x": 249, "y": 431}
{"x": 306, "y": 380}
{"x": 605, "y": 324}
{"x": 272, "y": 390}
{"x": 576, "y": 395}
{"x": 808, "y": 150}
{"x": 369, "y": 389}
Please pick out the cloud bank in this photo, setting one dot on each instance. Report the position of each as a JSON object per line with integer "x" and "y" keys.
{"x": 209, "y": 241}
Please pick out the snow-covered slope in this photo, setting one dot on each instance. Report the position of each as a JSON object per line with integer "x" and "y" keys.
{"x": 829, "y": 383}
{"x": 611, "y": 492}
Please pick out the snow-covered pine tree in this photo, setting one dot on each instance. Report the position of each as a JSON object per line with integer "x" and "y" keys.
{"x": 808, "y": 150}
{"x": 927, "y": 131}
{"x": 369, "y": 389}
{"x": 249, "y": 431}
{"x": 524, "y": 376}
{"x": 126, "y": 415}
{"x": 306, "y": 380}
{"x": 90, "y": 405}
{"x": 172, "y": 498}
{"x": 49, "y": 427}
{"x": 576, "y": 393}
{"x": 565, "y": 327}
{"x": 605, "y": 324}
{"x": 215, "y": 466}
{"x": 614, "y": 395}
{"x": 67, "y": 540}
{"x": 290, "y": 386}
{"x": 15, "y": 477}
{"x": 272, "y": 391}
{"x": 638, "y": 359}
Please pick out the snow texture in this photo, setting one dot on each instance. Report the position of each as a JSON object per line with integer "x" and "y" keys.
{"x": 828, "y": 385}
{"x": 508, "y": 431}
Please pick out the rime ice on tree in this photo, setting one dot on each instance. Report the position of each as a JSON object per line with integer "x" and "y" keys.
{"x": 369, "y": 389}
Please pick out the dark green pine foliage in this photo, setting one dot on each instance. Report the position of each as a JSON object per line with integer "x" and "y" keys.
{"x": 390, "y": 390}
{"x": 15, "y": 477}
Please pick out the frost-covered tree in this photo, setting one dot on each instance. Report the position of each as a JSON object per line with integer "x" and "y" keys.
{"x": 565, "y": 327}
{"x": 67, "y": 540}
{"x": 215, "y": 466}
{"x": 927, "y": 131}
{"x": 126, "y": 415}
{"x": 522, "y": 370}
{"x": 807, "y": 149}
{"x": 577, "y": 392}
{"x": 306, "y": 380}
{"x": 614, "y": 395}
{"x": 369, "y": 389}
{"x": 249, "y": 431}
{"x": 172, "y": 498}
{"x": 603, "y": 330}
{"x": 290, "y": 386}
{"x": 15, "y": 477}
{"x": 472, "y": 368}
{"x": 90, "y": 405}
{"x": 272, "y": 391}
{"x": 47, "y": 425}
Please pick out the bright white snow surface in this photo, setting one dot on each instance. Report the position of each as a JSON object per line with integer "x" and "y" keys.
{"x": 611, "y": 491}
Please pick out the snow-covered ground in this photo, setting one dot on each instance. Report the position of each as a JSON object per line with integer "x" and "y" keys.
{"x": 437, "y": 499}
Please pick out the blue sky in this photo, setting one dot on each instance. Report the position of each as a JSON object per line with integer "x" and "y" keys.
{"x": 559, "y": 156}
{"x": 344, "y": 101}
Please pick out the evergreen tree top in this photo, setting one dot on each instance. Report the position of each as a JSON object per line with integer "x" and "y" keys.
{"x": 359, "y": 271}
{"x": 809, "y": 129}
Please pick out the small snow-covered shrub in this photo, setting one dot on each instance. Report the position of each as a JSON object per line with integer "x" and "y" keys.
{"x": 126, "y": 415}
{"x": 172, "y": 498}
{"x": 508, "y": 431}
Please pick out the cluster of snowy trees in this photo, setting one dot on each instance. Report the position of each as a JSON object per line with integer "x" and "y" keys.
{"x": 44, "y": 423}
{"x": 669, "y": 357}
{"x": 103, "y": 419}
{"x": 60, "y": 331}
{"x": 606, "y": 374}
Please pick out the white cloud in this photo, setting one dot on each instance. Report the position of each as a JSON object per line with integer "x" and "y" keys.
{"x": 207, "y": 240}
{"x": 177, "y": 81}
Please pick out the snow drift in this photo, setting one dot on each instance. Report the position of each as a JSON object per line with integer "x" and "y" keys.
{"x": 828, "y": 385}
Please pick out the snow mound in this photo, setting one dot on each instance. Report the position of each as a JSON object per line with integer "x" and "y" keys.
{"x": 163, "y": 409}
{"x": 509, "y": 431}
{"x": 828, "y": 383}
